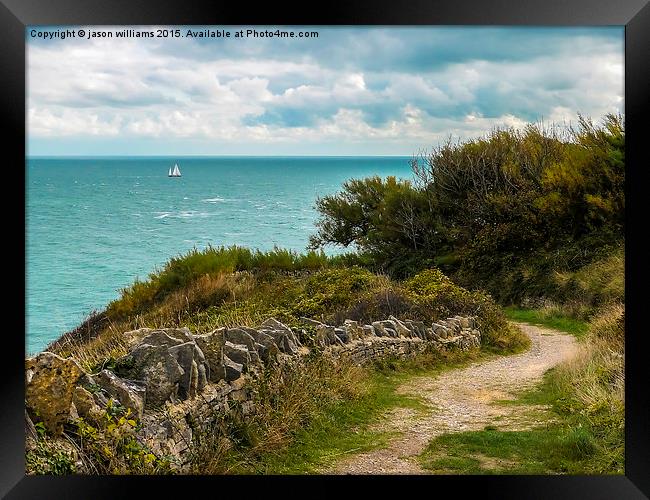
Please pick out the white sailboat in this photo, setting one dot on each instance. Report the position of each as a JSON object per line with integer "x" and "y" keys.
{"x": 175, "y": 172}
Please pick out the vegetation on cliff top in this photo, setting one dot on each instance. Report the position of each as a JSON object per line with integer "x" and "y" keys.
{"x": 513, "y": 212}
{"x": 233, "y": 286}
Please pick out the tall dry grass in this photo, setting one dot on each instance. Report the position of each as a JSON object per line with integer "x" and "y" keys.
{"x": 597, "y": 373}
{"x": 593, "y": 386}
{"x": 287, "y": 399}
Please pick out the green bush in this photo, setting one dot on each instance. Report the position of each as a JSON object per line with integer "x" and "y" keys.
{"x": 327, "y": 290}
{"x": 438, "y": 297}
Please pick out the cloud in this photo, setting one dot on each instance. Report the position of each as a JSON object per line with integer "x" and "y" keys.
{"x": 364, "y": 88}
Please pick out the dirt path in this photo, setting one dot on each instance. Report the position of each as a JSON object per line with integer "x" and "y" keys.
{"x": 462, "y": 400}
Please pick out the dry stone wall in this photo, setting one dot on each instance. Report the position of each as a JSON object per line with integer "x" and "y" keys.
{"x": 175, "y": 382}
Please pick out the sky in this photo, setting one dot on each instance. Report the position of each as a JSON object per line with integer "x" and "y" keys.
{"x": 350, "y": 91}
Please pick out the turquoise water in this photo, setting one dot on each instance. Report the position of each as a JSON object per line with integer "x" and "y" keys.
{"x": 95, "y": 224}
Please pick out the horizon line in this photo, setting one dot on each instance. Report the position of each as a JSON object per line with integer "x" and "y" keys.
{"x": 216, "y": 156}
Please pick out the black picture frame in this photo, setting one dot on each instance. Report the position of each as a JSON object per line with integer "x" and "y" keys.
{"x": 15, "y": 15}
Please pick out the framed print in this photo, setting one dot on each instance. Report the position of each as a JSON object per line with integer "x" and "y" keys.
{"x": 369, "y": 243}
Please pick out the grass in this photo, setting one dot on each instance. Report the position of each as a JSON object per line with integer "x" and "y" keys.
{"x": 551, "y": 319}
{"x": 340, "y": 429}
{"x": 544, "y": 450}
{"x": 208, "y": 289}
{"x": 337, "y": 427}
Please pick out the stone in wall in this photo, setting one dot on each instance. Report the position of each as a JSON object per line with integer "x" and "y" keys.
{"x": 233, "y": 370}
{"x": 50, "y": 382}
{"x": 401, "y": 329}
{"x": 129, "y": 393}
{"x": 284, "y": 337}
{"x": 156, "y": 368}
{"x": 239, "y": 336}
{"x": 190, "y": 358}
{"x": 354, "y": 331}
{"x": 211, "y": 344}
{"x": 237, "y": 353}
{"x": 265, "y": 344}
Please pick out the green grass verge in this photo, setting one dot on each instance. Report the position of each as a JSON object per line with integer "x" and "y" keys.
{"x": 566, "y": 324}
{"x": 544, "y": 450}
{"x": 567, "y": 443}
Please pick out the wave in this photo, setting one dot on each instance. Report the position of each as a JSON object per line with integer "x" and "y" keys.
{"x": 183, "y": 214}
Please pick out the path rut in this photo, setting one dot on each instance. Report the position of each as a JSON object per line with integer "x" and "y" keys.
{"x": 462, "y": 400}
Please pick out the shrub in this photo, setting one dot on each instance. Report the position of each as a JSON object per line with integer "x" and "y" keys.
{"x": 328, "y": 290}
{"x": 49, "y": 457}
{"x": 438, "y": 297}
{"x": 110, "y": 446}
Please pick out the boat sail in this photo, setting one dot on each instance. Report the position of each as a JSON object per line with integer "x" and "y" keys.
{"x": 174, "y": 173}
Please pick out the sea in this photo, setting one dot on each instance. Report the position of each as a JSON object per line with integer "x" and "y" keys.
{"x": 94, "y": 225}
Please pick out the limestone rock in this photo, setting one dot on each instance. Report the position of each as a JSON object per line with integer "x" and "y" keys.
{"x": 417, "y": 327}
{"x": 454, "y": 324}
{"x": 368, "y": 331}
{"x": 233, "y": 370}
{"x": 134, "y": 337}
{"x": 441, "y": 330}
{"x": 264, "y": 343}
{"x": 130, "y": 394}
{"x": 50, "y": 383}
{"x": 211, "y": 345}
{"x": 401, "y": 329}
{"x": 190, "y": 357}
{"x": 274, "y": 325}
{"x": 86, "y": 405}
{"x": 284, "y": 340}
{"x": 342, "y": 334}
{"x": 325, "y": 335}
{"x": 161, "y": 338}
{"x": 237, "y": 353}
{"x": 100, "y": 399}
{"x": 354, "y": 331}
{"x": 239, "y": 336}
{"x": 380, "y": 331}
{"x": 385, "y": 328}
{"x": 156, "y": 368}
